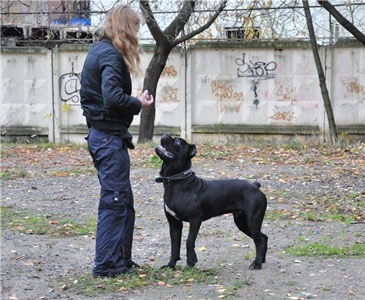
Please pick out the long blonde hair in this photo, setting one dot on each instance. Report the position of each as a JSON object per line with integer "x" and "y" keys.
{"x": 121, "y": 26}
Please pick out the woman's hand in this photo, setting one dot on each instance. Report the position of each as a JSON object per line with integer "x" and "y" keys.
{"x": 146, "y": 99}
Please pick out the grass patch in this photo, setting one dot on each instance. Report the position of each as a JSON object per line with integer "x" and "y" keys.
{"x": 315, "y": 249}
{"x": 73, "y": 172}
{"x": 92, "y": 287}
{"x": 7, "y": 174}
{"x": 25, "y": 160}
{"x": 31, "y": 222}
{"x": 346, "y": 208}
{"x": 154, "y": 162}
{"x": 214, "y": 152}
{"x": 346, "y": 217}
{"x": 313, "y": 216}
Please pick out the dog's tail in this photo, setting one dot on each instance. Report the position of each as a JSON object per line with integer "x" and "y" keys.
{"x": 256, "y": 183}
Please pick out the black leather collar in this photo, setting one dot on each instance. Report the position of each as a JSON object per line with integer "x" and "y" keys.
{"x": 179, "y": 176}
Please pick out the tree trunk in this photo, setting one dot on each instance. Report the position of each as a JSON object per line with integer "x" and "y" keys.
{"x": 322, "y": 78}
{"x": 166, "y": 40}
{"x": 152, "y": 76}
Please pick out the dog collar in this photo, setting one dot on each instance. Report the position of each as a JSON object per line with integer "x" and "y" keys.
{"x": 178, "y": 176}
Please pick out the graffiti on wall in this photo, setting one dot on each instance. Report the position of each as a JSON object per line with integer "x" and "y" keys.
{"x": 168, "y": 94}
{"x": 230, "y": 100}
{"x": 69, "y": 87}
{"x": 256, "y": 69}
{"x": 169, "y": 71}
{"x": 353, "y": 86}
{"x": 285, "y": 93}
{"x": 283, "y": 114}
{"x": 254, "y": 85}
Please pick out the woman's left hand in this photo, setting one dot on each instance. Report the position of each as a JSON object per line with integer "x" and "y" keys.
{"x": 146, "y": 99}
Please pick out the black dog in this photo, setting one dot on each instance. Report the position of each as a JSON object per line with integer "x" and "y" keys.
{"x": 191, "y": 199}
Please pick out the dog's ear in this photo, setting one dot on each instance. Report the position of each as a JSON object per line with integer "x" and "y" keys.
{"x": 192, "y": 151}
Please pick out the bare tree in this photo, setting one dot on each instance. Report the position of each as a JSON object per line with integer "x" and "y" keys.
{"x": 165, "y": 40}
{"x": 343, "y": 21}
{"x": 322, "y": 78}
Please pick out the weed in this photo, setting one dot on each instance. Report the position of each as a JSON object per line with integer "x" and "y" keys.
{"x": 154, "y": 162}
{"x": 5, "y": 176}
{"x": 230, "y": 291}
{"x": 294, "y": 144}
{"x": 11, "y": 173}
{"x": 91, "y": 287}
{"x": 32, "y": 223}
{"x": 324, "y": 249}
{"x": 250, "y": 255}
{"x": 325, "y": 288}
{"x": 65, "y": 172}
{"x": 291, "y": 283}
{"x": 308, "y": 160}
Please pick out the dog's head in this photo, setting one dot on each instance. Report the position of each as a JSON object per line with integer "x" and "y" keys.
{"x": 175, "y": 153}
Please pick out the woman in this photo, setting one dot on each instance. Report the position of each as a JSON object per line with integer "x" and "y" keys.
{"x": 109, "y": 108}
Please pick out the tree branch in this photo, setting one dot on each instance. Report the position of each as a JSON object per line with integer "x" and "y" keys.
{"x": 155, "y": 30}
{"x": 202, "y": 28}
{"x": 343, "y": 21}
{"x": 180, "y": 21}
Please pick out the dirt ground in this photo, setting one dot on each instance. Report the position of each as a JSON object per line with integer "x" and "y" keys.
{"x": 302, "y": 185}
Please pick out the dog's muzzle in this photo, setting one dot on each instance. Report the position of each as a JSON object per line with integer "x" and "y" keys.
{"x": 164, "y": 151}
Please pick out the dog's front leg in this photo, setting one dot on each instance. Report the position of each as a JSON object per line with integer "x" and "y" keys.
{"x": 175, "y": 238}
{"x": 192, "y": 259}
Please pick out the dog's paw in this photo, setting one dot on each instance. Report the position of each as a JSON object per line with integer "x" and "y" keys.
{"x": 171, "y": 264}
{"x": 255, "y": 266}
{"x": 191, "y": 264}
{"x": 192, "y": 261}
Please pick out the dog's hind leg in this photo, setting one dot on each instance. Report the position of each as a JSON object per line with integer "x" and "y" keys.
{"x": 260, "y": 240}
{"x": 252, "y": 228}
{"x": 265, "y": 246}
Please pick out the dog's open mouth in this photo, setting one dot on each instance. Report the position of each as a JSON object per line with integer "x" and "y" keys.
{"x": 164, "y": 151}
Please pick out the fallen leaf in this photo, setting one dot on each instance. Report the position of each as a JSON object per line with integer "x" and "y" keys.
{"x": 351, "y": 292}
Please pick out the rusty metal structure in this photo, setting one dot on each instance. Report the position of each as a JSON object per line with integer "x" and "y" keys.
{"x": 37, "y": 21}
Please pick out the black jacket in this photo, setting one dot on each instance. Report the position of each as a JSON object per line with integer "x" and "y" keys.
{"x": 106, "y": 88}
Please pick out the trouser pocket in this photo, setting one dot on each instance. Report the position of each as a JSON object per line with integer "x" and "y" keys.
{"x": 114, "y": 200}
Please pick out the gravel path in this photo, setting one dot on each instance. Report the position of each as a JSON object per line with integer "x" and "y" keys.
{"x": 300, "y": 189}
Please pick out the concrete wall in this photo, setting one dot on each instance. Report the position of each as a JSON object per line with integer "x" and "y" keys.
{"x": 217, "y": 92}
{"x": 25, "y": 89}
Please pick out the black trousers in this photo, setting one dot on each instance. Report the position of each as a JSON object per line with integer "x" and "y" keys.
{"x": 116, "y": 215}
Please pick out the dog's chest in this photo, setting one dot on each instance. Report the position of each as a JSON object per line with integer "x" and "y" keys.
{"x": 171, "y": 212}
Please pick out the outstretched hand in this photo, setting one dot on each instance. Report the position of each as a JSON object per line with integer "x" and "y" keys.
{"x": 146, "y": 99}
